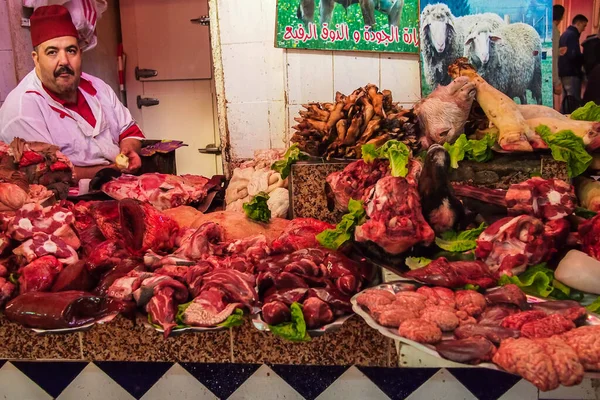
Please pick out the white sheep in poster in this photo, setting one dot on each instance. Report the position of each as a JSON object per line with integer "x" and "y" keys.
{"x": 443, "y": 38}
{"x": 507, "y": 57}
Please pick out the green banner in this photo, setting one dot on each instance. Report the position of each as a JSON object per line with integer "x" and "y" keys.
{"x": 357, "y": 25}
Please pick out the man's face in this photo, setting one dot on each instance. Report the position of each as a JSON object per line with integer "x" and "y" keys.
{"x": 58, "y": 64}
{"x": 581, "y": 26}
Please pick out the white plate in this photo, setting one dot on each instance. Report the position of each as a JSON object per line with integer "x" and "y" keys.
{"x": 399, "y": 286}
{"x": 81, "y": 328}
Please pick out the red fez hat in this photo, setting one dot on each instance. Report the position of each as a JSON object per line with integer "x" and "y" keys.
{"x": 49, "y": 22}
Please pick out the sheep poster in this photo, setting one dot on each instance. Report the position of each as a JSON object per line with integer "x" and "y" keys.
{"x": 361, "y": 25}
{"x": 508, "y": 42}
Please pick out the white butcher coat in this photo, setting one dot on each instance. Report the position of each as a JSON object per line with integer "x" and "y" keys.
{"x": 30, "y": 113}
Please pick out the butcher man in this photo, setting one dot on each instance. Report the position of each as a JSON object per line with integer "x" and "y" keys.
{"x": 58, "y": 104}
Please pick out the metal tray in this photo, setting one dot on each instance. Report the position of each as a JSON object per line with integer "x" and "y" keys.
{"x": 400, "y": 286}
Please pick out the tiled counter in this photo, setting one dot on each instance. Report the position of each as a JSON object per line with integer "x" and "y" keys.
{"x": 120, "y": 361}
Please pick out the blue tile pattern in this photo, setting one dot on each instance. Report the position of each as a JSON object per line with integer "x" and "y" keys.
{"x": 68, "y": 380}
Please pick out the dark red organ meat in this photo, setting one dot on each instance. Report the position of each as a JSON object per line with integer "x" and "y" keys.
{"x": 300, "y": 234}
{"x": 495, "y": 315}
{"x": 554, "y": 324}
{"x": 472, "y": 351}
{"x": 508, "y": 294}
{"x": 74, "y": 277}
{"x": 395, "y": 222}
{"x": 493, "y": 333}
{"x": 455, "y": 274}
{"x": 62, "y": 310}
{"x": 353, "y": 182}
{"x": 569, "y": 309}
{"x": 589, "y": 233}
{"x": 39, "y": 275}
{"x": 237, "y": 286}
{"x": 276, "y": 312}
{"x": 316, "y": 312}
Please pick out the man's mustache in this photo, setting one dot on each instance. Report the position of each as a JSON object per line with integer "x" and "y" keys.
{"x": 63, "y": 70}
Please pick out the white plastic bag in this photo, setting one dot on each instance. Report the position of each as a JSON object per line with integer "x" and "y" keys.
{"x": 84, "y": 13}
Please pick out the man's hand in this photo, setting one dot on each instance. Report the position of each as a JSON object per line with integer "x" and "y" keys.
{"x": 562, "y": 50}
{"x": 131, "y": 148}
{"x": 558, "y": 89}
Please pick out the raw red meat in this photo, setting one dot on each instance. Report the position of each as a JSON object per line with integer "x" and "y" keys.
{"x": 554, "y": 324}
{"x": 195, "y": 275}
{"x": 509, "y": 245}
{"x": 254, "y": 248}
{"x": 570, "y": 309}
{"x": 585, "y": 340}
{"x": 118, "y": 271}
{"x": 286, "y": 296}
{"x": 455, "y": 274}
{"x": 372, "y": 299}
{"x": 124, "y": 287}
{"x": 493, "y": 333}
{"x": 33, "y": 218}
{"x": 238, "y": 286}
{"x": 63, "y": 310}
{"x": 393, "y": 316}
{"x": 395, "y": 221}
{"x": 300, "y": 234}
{"x": 42, "y": 244}
{"x": 7, "y": 289}
{"x": 473, "y": 350}
{"x": 316, "y": 312}
{"x": 276, "y": 312}
{"x": 471, "y": 302}
{"x": 152, "y": 284}
{"x": 39, "y": 275}
{"x": 508, "y": 294}
{"x": 174, "y": 271}
{"x": 589, "y": 233}
{"x": 145, "y": 228}
{"x": 527, "y": 358}
{"x": 353, "y": 182}
{"x": 200, "y": 241}
{"x": 495, "y": 315}
{"x": 102, "y": 257}
{"x": 212, "y": 300}
{"x": 161, "y": 190}
{"x": 73, "y": 277}
{"x": 438, "y": 295}
{"x": 420, "y": 331}
{"x": 339, "y": 303}
{"x": 107, "y": 219}
{"x": 516, "y": 321}
{"x": 68, "y": 235}
{"x": 162, "y": 309}
{"x": 199, "y": 314}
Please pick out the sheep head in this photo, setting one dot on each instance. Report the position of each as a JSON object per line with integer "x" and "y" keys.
{"x": 437, "y": 25}
{"x": 478, "y": 42}
{"x": 443, "y": 114}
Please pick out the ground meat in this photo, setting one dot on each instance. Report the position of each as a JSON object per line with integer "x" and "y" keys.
{"x": 420, "y": 331}
{"x": 551, "y": 325}
{"x": 494, "y": 315}
{"x": 372, "y": 299}
{"x": 411, "y": 301}
{"x": 516, "y": 321}
{"x": 528, "y": 359}
{"x": 585, "y": 340}
{"x": 564, "y": 359}
{"x": 444, "y": 317}
{"x": 438, "y": 296}
{"x": 392, "y": 317}
{"x": 470, "y": 301}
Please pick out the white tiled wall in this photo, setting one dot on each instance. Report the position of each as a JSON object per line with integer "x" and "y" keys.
{"x": 265, "y": 86}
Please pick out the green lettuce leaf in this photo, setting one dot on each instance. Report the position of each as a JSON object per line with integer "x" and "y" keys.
{"x": 294, "y": 330}
{"x": 284, "y": 166}
{"x": 481, "y": 150}
{"x": 460, "y": 242}
{"x": 13, "y": 278}
{"x": 470, "y": 286}
{"x": 536, "y": 281}
{"x": 584, "y": 213}
{"x": 257, "y": 208}
{"x": 235, "y": 319}
{"x": 457, "y": 150}
{"x": 595, "y": 306}
{"x": 396, "y": 152}
{"x": 567, "y": 147}
{"x": 417, "y": 262}
{"x": 589, "y": 112}
{"x": 334, "y": 238}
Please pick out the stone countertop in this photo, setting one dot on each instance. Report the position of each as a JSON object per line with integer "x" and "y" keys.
{"x": 354, "y": 343}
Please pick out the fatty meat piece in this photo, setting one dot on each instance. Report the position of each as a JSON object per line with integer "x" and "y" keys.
{"x": 471, "y": 302}
{"x": 554, "y": 324}
{"x": 420, "y": 331}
